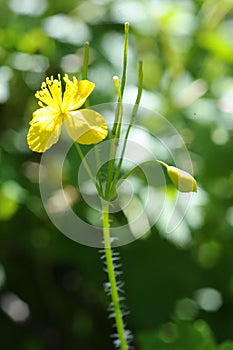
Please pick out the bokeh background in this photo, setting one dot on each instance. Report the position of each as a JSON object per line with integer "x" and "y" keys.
{"x": 179, "y": 287}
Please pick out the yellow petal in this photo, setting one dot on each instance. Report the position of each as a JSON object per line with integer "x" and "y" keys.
{"x": 45, "y": 114}
{"x": 86, "y": 126}
{"x": 44, "y": 131}
{"x": 76, "y": 93}
{"x": 85, "y": 88}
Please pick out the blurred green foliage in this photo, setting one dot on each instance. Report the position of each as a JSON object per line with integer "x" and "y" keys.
{"x": 179, "y": 290}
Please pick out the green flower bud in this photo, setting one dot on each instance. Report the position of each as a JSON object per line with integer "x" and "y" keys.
{"x": 182, "y": 180}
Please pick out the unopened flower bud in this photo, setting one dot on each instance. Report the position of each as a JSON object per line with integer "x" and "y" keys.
{"x": 182, "y": 180}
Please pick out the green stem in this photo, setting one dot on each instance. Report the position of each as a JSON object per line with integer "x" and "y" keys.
{"x": 85, "y": 67}
{"x": 86, "y": 166}
{"x": 85, "y": 60}
{"x": 123, "y": 79}
{"x": 116, "y": 129}
{"x": 99, "y": 179}
{"x": 119, "y": 109}
{"x": 139, "y": 168}
{"x": 133, "y": 115}
{"x": 114, "y": 141}
{"x": 112, "y": 277}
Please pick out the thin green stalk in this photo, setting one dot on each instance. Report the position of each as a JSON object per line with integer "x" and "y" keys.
{"x": 123, "y": 79}
{"x": 116, "y": 129}
{"x": 97, "y": 158}
{"x": 114, "y": 141}
{"x": 125, "y": 57}
{"x": 139, "y": 168}
{"x": 112, "y": 277}
{"x": 85, "y": 60}
{"x": 86, "y": 166}
{"x": 133, "y": 115}
{"x": 85, "y": 67}
{"x": 119, "y": 109}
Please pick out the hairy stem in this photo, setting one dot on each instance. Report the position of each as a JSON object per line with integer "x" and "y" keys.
{"x": 112, "y": 278}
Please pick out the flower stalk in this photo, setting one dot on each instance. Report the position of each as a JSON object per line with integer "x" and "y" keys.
{"x": 123, "y": 80}
{"x": 133, "y": 115}
{"x": 114, "y": 141}
{"x": 85, "y": 60}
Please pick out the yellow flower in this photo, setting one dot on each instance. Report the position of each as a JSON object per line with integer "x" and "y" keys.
{"x": 84, "y": 126}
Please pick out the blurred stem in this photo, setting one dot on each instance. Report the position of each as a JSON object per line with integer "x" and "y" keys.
{"x": 171, "y": 57}
{"x": 85, "y": 60}
{"x": 85, "y": 67}
{"x": 112, "y": 277}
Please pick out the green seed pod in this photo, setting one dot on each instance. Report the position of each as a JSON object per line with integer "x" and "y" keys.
{"x": 182, "y": 180}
